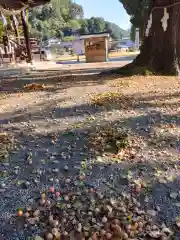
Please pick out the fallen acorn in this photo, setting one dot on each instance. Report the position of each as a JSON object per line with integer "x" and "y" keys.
{"x": 94, "y": 236}
{"x": 116, "y": 230}
{"x": 108, "y": 236}
{"x": 82, "y": 177}
{"x": 178, "y": 223}
{"x": 26, "y": 214}
{"x": 138, "y": 189}
{"x": 57, "y": 194}
{"x": 19, "y": 213}
{"x": 56, "y": 233}
{"x": 43, "y": 195}
{"x": 36, "y": 213}
{"x": 143, "y": 185}
{"x": 42, "y": 202}
{"x": 55, "y": 223}
{"x": 91, "y": 216}
{"x": 49, "y": 236}
{"x": 52, "y": 189}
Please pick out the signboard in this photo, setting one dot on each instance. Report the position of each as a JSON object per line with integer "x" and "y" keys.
{"x": 96, "y": 50}
{"x": 78, "y": 47}
{"x": 137, "y": 39}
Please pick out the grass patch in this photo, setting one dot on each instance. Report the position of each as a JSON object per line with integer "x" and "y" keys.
{"x": 6, "y": 145}
{"x": 112, "y": 100}
{"x": 3, "y": 96}
{"x": 130, "y": 70}
{"x": 108, "y": 139}
{"x": 114, "y": 142}
{"x": 121, "y": 82}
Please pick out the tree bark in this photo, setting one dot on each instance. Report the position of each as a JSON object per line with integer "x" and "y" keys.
{"x": 160, "y": 51}
{"x": 26, "y": 37}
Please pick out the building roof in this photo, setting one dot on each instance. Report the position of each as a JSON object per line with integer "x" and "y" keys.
{"x": 93, "y": 35}
{"x": 18, "y": 4}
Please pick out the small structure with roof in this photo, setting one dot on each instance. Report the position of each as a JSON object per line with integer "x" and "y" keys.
{"x": 12, "y": 8}
{"x": 96, "y": 47}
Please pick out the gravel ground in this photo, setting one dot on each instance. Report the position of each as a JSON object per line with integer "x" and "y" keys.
{"x": 53, "y": 126}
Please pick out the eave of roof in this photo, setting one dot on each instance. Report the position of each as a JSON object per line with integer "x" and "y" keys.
{"x": 18, "y": 4}
{"x": 105, "y": 34}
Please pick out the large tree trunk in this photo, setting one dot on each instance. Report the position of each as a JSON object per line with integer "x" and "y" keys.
{"x": 26, "y": 37}
{"x": 160, "y": 51}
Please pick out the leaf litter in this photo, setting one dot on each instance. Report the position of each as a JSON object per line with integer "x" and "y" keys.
{"x": 61, "y": 212}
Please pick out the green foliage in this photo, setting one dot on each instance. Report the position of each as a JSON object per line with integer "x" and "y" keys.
{"x": 133, "y": 33}
{"x": 1, "y": 30}
{"x": 138, "y": 11}
{"x": 114, "y": 30}
{"x": 61, "y": 18}
{"x": 97, "y": 25}
{"x": 69, "y": 39}
{"x": 73, "y": 24}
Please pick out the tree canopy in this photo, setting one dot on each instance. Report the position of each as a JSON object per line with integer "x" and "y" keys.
{"x": 138, "y": 11}
{"x": 160, "y": 49}
{"x": 65, "y": 18}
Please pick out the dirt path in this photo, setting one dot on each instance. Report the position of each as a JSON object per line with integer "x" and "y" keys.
{"x": 52, "y": 126}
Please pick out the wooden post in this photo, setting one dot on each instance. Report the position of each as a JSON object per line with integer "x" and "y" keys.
{"x": 26, "y": 37}
{"x": 15, "y": 30}
{"x": 40, "y": 49}
{"x": 5, "y": 43}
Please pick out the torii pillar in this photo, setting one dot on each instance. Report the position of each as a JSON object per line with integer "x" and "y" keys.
{"x": 26, "y": 37}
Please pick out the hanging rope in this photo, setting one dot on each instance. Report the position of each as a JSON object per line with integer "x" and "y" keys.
{"x": 164, "y": 20}
{"x": 167, "y": 6}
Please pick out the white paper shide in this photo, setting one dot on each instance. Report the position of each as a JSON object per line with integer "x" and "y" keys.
{"x": 164, "y": 20}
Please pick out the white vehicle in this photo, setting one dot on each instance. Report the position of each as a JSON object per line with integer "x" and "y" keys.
{"x": 46, "y": 55}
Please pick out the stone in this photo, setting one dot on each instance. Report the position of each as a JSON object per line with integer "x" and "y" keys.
{"x": 3, "y": 185}
{"x": 55, "y": 170}
{"x": 155, "y": 234}
{"x": 152, "y": 213}
{"x": 104, "y": 220}
{"x": 167, "y": 231}
{"x": 66, "y": 168}
{"x": 36, "y": 213}
{"x": 32, "y": 221}
{"x": 173, "y": 195}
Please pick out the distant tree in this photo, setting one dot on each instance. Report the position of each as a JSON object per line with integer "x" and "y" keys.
{"x": 84, "y": 26}
{"x": 74, "y": 24}
{"x": 76, "y": 11}
{"x": 91, "y": 25}
{"x": 61, "y": 18}
{"x": 114, "y": 30}
{"x": 99, "y": 25}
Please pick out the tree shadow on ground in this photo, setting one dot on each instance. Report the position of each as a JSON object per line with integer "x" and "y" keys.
{"x": 71, "y": 147}
{"x": 117, "y": 100}
{"x": 53, "y": 81}
{"x": 132, "y": 102}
